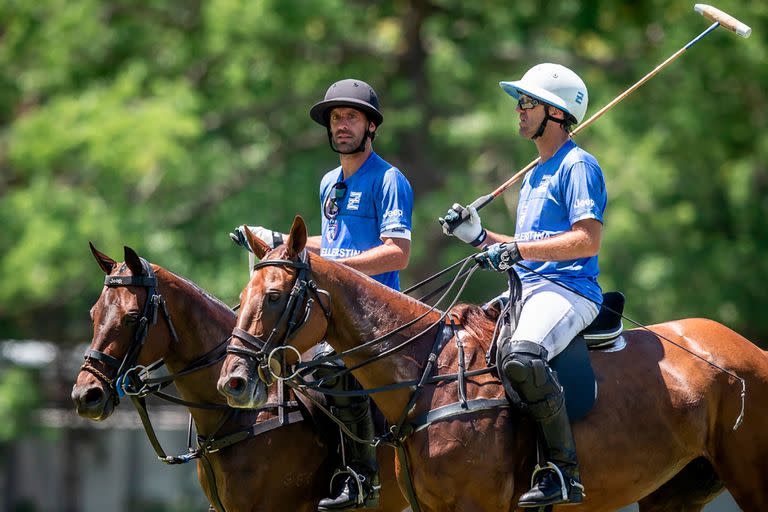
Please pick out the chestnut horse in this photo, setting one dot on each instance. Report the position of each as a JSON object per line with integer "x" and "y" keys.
{"x": 285, "y": 468}
{"x": 662, "y": 410}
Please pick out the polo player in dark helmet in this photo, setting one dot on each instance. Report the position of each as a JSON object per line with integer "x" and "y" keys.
{"x": 366, "y": 224}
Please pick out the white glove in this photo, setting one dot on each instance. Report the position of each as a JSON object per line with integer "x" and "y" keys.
{"x": 269, "y": 237}
{"x": 470, "y": 230}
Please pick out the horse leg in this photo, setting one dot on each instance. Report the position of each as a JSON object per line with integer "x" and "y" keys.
{"x": 740, "y": 457}
{"x": 744, "y": 470}
{"x": 688, "y": 491}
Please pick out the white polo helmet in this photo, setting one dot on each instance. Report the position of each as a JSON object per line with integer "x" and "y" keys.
{"x": 553, "y": 84}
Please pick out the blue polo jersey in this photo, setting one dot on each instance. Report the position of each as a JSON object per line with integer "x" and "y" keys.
{"x": 377, "y": 202}
{"x": 555, "y": 194}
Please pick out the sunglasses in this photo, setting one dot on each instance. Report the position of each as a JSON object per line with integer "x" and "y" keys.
{"x": 526, "y": 103}
{"x": 331, "y": 206}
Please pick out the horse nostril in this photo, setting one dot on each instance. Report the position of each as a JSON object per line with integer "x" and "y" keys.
{"x": 236, "y": 384}
{"x": 93, "y": 396}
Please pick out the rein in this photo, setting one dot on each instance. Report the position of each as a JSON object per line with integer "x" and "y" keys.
{"x": 388, "y": 335}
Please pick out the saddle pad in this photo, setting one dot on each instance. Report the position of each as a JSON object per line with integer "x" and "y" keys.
{"x": 574, "y": 370}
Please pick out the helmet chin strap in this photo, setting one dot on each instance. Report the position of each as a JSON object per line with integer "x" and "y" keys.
{"x": 543, "y": 124}
{"x": 358, "y": 149}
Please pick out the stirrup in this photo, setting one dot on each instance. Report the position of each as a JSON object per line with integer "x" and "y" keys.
{"x": 363, "y": 496}
{"x": 565, "y": 490}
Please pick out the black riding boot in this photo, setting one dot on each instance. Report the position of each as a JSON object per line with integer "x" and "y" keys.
{"x": 360, "y": 488}
{"x": 558, "y": 482}
{"x": 524, "y": 366}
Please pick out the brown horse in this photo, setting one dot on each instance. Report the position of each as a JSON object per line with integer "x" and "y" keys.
{"x": 285, "y": 468}
{"x": 661, "y": 410}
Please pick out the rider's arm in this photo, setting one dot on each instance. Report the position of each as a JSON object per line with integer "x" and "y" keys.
{"x": 394, "y": 206}
{"x": 581, "y": 241}
{"x": 393, "y": 254}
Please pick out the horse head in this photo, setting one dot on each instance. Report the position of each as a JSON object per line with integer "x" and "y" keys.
{"x": 276, "y": 313}
{"x": 122, "y": 318}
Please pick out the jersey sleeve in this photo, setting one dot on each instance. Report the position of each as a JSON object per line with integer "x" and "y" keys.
{"x": 395, "y": 206}
{"x": 585, "y": 194}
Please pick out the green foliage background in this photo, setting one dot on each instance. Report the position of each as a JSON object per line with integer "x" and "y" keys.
{"x": 163, "y": 124}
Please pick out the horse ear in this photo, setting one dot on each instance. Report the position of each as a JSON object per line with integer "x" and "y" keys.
{"x": 106, "y": 263}
{"x": 297, "y": 237}
{"x": 257, "y": 245}
{"x": 133, "y": 261}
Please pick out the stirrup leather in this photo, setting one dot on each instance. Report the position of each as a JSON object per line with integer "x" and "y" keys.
{"x": 563, "y": 487}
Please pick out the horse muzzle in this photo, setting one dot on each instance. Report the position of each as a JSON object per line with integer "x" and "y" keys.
{"x": 241, "y": 387}
{"x": 92, "y": 401}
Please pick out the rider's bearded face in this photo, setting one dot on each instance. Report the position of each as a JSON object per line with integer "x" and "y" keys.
{"x": 348, "y": 128}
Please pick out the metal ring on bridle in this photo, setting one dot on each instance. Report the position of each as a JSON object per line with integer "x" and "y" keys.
{"x": 271, "y": 356}
{"x": 122, "y": 383}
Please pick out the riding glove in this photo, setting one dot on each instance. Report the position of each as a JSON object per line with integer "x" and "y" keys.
{"x": 269, "y": 237}
{"x": 470, "y": 230}
{"x": 499, "y": 257}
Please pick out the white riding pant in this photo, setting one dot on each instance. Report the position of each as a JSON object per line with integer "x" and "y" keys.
{"x": 552, "y": 316}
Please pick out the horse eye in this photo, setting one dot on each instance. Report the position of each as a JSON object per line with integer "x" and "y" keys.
{"x": 273, "y": 296}
{"x": 130, "y": 318}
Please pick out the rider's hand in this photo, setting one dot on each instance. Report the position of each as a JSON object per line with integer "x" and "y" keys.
{"x": 499, "y": 257}
{"x": 269, "y": 237}
{"x": 470, "y": 230}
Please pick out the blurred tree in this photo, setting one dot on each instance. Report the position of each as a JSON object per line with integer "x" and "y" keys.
{"x": 19, "y": 398}
{"x": 162, "y": 124}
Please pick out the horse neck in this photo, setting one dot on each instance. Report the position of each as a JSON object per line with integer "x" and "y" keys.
{"x": 363, "y": 310}
{"x": 201, "y": 322}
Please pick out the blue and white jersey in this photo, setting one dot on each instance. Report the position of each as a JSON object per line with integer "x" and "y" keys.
{"x": 377, "y": 202}
{"x": 565, "y": 189}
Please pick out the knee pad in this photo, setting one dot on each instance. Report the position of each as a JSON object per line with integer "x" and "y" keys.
{"x": 523, "y": 368}
{"x": 522, "y": 361}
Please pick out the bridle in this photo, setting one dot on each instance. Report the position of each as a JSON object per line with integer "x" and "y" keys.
{"x": 297, "y": 312}
{"x": 128, "y": 376}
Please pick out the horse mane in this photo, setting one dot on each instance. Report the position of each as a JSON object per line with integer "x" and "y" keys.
{"x": 477, "y": 321}
{"x": 194, "y": 287}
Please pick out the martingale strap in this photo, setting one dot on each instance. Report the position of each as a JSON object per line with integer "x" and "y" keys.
{"x": 212, "y": 445}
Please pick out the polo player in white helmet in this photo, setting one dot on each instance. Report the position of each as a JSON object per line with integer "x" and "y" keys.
{"x": 557, "y": 236}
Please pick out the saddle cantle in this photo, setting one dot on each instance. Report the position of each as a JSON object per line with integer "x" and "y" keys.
{"x": 606, "y": 327}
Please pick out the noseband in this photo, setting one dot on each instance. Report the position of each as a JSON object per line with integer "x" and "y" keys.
{"x": 127, "y": 380}
{"x": 294, "y": 316}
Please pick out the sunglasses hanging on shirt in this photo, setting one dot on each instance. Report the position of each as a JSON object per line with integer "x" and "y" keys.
{"x": 331, "y": 209}
{"x": 331, "y": 206}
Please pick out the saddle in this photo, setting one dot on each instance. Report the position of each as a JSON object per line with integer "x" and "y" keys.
{"x": 572, "y": 365}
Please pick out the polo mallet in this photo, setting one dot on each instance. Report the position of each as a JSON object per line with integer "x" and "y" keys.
{"x": 720, "y": 19}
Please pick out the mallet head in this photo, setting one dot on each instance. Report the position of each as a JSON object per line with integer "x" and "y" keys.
{"x": 725, "y": 20}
